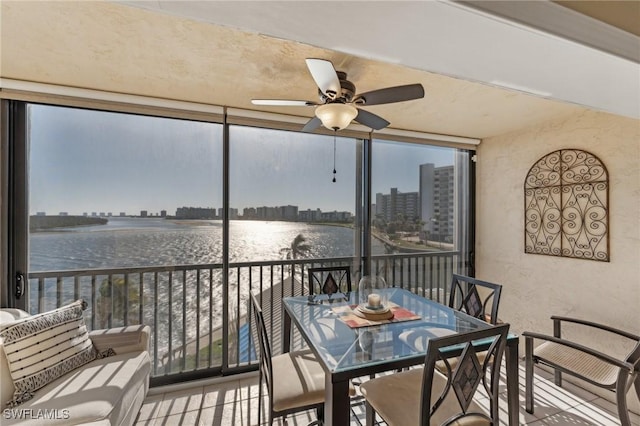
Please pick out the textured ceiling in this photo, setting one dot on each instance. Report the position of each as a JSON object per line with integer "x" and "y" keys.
{"x": 123, "y": 49}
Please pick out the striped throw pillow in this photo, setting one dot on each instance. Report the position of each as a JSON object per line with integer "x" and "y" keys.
{"x": 43, "y": 347}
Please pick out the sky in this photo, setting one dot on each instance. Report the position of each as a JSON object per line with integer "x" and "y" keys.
{"x": 92, "y": 161}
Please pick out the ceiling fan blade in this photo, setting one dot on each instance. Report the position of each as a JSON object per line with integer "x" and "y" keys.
{"x": 312, "y": 124}
{"x": 369, "y": 119}
{"x": 281, "y": 102}
{"x": 391, "y": 94}
{"x": 325, "y": 76}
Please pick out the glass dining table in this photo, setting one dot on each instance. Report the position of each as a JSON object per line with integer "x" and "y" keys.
{"x": 349, "y": 346}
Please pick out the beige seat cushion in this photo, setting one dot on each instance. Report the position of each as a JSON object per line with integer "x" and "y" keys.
{"x": 396, "y": 398}
{"x": 298, "y": 380}
{"x": 417, "y": 338}
{"x": 579, "y": 362}
{"x": 103, "y": 390}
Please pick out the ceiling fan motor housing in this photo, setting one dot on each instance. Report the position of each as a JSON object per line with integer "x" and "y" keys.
{"x": 348, "y": 90}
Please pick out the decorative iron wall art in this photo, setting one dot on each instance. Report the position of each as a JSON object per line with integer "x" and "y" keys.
{"x": 566, "y": 199}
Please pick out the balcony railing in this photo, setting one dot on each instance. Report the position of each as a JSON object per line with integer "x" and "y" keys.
{"x": 199, "y": 328}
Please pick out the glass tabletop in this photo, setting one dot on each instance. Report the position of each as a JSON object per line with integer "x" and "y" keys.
{"x": 344, "y": 342}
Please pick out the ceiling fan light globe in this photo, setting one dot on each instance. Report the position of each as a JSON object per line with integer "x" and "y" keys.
{"x": 336, "y": 116}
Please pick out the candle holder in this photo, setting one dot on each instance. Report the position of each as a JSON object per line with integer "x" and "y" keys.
{"x": 373, "y": 298}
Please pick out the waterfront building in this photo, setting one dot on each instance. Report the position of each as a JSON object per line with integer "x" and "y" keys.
{"x": 289, "y": 213}
{"x": 336, "y": 216}
{"x": 436, "y": 201}
{"x": 195, "y": 213}
{"x": 397, "y": 204}
{"x": 310, "y": 215}
{"x": 249, "y": 213}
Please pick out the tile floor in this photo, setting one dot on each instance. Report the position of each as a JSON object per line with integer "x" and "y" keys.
{"x": 235, "y": 403}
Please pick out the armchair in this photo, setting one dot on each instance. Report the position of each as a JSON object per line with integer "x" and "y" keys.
{"x": 109, "y": 389}
{"x": 590, "y": 365}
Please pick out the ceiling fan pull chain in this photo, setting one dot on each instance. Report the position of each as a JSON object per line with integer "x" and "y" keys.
{"x": 334, "y": 155}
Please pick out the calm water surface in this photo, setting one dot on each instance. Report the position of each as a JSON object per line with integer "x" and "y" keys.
{"x": 134, "y": 242}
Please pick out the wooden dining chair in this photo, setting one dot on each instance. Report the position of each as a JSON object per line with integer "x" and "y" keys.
{"x": 294, "y": 380}
{"x": 329, "y": 280}
{"x": 423, "y": 396}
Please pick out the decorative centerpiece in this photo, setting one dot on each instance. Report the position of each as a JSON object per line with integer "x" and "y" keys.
{"x": 373, "y": 298}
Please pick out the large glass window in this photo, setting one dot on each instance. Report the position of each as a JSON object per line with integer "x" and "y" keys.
{"x": 135, "y": 200}
{"x": 281, "y": 186}
{"x": 126, "y": 211}
{"x": 419, "y": 215}
{"x": 413, "y": 195}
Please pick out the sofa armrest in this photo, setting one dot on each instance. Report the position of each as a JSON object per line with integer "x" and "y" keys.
{"x": 133, "y": 338}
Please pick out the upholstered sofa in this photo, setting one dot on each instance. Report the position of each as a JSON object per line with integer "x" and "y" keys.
{"x": 108, "y": 390}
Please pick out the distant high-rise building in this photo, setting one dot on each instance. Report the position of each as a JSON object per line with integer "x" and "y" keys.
{"x": 163, "y": 213}
{"x": 249, "y": 213}
{"x": 436, "y": 200}
{"x": 85, "y": 214}
{"x": 310, "y": 215}
{"x": 109, "y": 214}
{"x": 267, "y": 213}
{"x": 233, "y": 213}
{"x": 123, "y": 214}
{"x": 143, "y": 213}
{"x": 195, "y": 213}
{"x": 289, "y": 213}
{"x": 94, "y": 214}
{"x": 391, "y": 206}
{"x": 41, "y": 213}
{"x": 63, "y": 214}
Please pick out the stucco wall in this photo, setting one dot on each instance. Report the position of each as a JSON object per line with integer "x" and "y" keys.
{"x": 537, "y": 286}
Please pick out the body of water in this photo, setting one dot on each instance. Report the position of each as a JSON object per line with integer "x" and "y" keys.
{"x": 146, "y": 242}
{"x": 135, "y": 242}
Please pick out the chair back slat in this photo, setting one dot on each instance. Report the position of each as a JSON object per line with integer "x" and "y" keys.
{"x": 321, "y": 280}
{"x": 465, "y": 296}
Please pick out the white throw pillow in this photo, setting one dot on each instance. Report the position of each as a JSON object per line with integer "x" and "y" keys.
{"x": 43, "y": 347}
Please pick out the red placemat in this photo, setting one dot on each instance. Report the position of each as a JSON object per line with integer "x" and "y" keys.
{"x": 346, "y": 314}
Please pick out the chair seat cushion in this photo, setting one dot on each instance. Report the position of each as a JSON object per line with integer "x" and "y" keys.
{"x": 298, "y": 381}
{"x": 579, "y": 362}
{"x": 396, "y": 398}
{"x": 101, "y": 391}
{"x": 417, "y": 338}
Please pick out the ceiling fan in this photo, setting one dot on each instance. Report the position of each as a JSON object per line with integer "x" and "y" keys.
{"x": 339, "y": 100}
